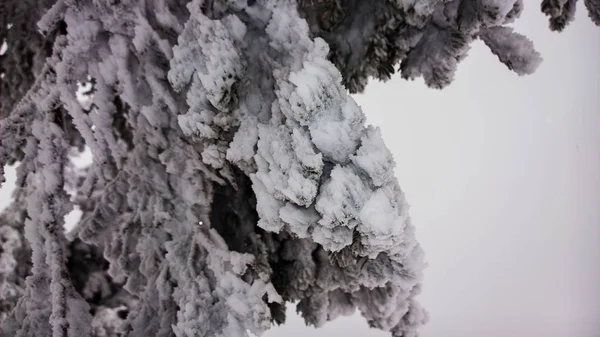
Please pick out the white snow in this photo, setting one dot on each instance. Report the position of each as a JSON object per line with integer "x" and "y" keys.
{"x": 3, "y": 47}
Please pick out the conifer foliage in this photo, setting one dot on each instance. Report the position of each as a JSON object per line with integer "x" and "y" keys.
{"x": 232, "y": 172}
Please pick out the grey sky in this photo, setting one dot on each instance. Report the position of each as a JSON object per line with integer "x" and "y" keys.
{"x": 503, "y": 175}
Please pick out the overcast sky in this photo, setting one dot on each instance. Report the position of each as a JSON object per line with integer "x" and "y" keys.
{"x": 503, "y": 175}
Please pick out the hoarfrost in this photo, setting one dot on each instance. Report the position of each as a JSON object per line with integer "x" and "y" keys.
{"x": 231, "y": 171}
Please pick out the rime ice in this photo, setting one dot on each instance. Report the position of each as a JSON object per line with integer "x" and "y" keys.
{"x": 232, "y": 172}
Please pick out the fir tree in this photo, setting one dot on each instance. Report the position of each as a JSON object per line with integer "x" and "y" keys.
{"x": 232, "y": 172}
